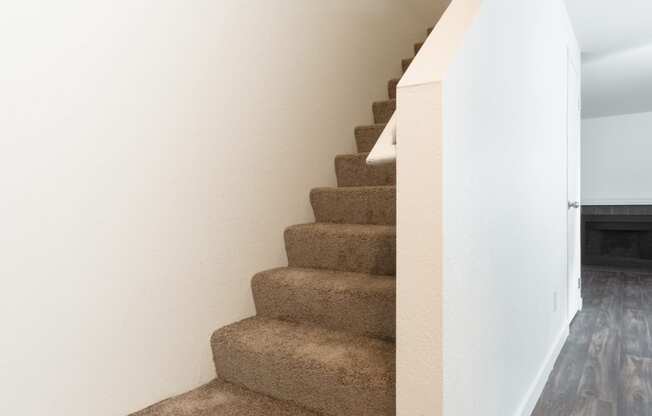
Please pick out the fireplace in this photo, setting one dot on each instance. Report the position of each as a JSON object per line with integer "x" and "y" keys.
{"x": 617, "y": 236}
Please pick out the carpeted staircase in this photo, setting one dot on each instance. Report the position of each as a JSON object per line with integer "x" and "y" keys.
{"x": 322, "y": 342}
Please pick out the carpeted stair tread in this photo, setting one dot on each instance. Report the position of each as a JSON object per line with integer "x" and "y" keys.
{"x": 219, "y": 398}
{"x": 406, "y": 63}
{"x": 355, "y": 205}
{"x": 342, "y": 247}
{"x": 331, "y": 372}
{"x": 353, "y": 170}
{"x": 367, "y": 136}
{"x": 383, "y": 111}
{"x": 360, "y": 304}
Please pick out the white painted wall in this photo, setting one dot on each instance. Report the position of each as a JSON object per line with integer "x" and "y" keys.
{"x": 616, "y": 168}
{"x": 504, "y": 207}
{"x": 492, "y": 180}
{"x": 419, "y": 330}
{"x": 151, "y": 154}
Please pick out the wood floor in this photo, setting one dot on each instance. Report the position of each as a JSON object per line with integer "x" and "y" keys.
{"x": 605, "y": 368}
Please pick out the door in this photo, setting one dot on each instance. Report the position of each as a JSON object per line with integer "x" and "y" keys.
{"x": 573, "y": 145}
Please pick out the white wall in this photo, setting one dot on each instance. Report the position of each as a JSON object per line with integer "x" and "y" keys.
{"x": 151, "y": 154}
{"x": 489, "y": 175}
{"x": 616, "y": 168}
{"x": 419, "y": 331}
{"x": 504, "y": 207}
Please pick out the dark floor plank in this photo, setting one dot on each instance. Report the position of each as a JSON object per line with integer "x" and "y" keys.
{"x": 633, "y": 296}
{"x": 646, "y": 294}
{"x": 605, "y": 368}
{"x": 560, "y": 393}
{"x": 590, "y": 406}
{"x": 602, "y": 366}
{"x": 556, "y": 405}
{"x": 582, "y": 327}
{"x": 636, "y": 333}
{"x": 636, "y": 387}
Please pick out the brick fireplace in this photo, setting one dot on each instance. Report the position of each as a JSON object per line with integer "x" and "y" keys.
{"x": 617, "y": 235}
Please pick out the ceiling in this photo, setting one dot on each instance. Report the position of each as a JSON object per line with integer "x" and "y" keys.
{"x": 616, "y": 41}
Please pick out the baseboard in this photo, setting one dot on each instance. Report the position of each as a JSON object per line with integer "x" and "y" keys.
{"x": 536, "y": 388}
{"x": 616, "y": 201}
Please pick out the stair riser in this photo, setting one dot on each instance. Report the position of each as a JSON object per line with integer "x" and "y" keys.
{"x": 355, "y": 308}
{"x": 292, "y": 373}
{"x": 294, "y": 383}
{"x": 345, "y": 252}
{"x": 391, "y": 88}
{"x": 376, "y": 206}
{"x": 383, "y": 111}
{"x": 367, "y": 136}
{"x": 406, "y": 64}
{"x": 352, "y": 170}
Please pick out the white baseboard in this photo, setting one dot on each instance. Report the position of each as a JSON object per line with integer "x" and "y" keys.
{"x": 536, "y": 388}
{"x": 617, "y": 201}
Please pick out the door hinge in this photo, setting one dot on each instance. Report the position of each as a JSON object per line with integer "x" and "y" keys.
{"x": 579, "y": 283}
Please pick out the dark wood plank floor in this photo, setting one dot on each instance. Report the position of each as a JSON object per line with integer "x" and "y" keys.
{"x": 605, "y": 368}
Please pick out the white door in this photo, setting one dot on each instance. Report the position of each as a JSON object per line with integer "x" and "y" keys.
{"x": 573, "y": 191}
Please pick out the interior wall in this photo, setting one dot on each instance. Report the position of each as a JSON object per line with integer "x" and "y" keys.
{"x": 419, "y": 254}
{"x": 430, "y": 9}
{"x": 151, "y": 154}
{"x": 504, "y": 207}
{"x": 616, "y": 164}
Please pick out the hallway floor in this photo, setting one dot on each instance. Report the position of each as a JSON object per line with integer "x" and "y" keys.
{"x": 605, "y": 368}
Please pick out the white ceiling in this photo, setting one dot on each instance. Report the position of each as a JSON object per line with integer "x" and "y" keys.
{"x": 616, "y": 40}
{"x": 608, "y": 25}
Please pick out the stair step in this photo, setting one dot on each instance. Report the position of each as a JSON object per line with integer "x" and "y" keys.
{"x": 391, "y": 87}
{"x": 343, "y": 247}
{"x": 367, "y": 136}
{"x": 417, "y": 47}
{"x": 406, "y": 64}
{"x": 221, "y": 398}
{"x": 355, "y": 205}
{"x": 430, "y": 29}
{"x": 331, "y": 372}
{"x": 383, "y": 111}
{"x": 353, "y": 170}
{"x": 361, "y": 304}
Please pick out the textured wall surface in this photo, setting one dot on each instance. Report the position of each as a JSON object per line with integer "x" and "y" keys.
{"x": 504, "y": 206}
{"x": 482, "y": 255}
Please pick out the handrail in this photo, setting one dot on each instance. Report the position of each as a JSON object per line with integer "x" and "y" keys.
{"x": 384, "y": 151}
{"x": 429, "y": 65}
